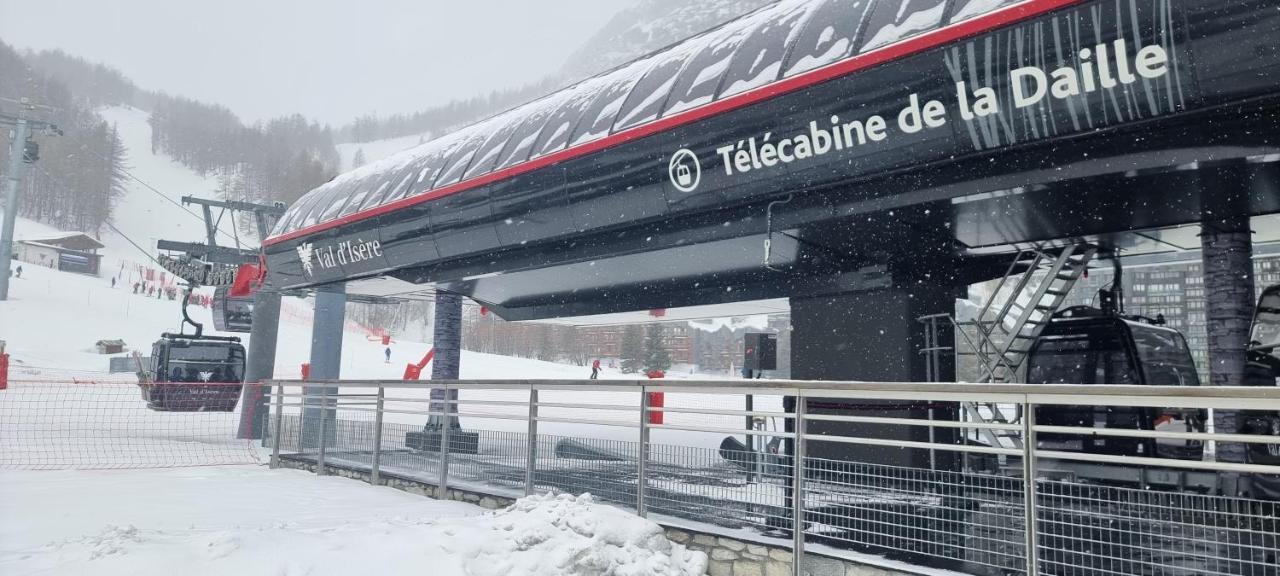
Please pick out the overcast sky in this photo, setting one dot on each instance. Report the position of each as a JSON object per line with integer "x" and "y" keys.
{"x": 331, "y": 60}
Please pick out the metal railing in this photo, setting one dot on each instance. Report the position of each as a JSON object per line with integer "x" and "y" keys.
{"x": 887, "y": 468}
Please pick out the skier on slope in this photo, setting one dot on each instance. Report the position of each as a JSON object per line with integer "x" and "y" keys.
{"x": 388, "y": 353}
{"x": 595, "y": 368}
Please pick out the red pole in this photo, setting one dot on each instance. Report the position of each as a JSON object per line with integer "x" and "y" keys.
{"x": 657, "y": 400}
{"x": 4, "y": 370}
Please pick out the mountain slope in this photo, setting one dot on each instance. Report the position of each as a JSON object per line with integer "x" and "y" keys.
{"x": 648, "y": 26}
{"x": 146, "y": 215}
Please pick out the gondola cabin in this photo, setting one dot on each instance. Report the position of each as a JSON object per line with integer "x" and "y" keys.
{"x": 232, "y": 313}
{"x": 1085, "y": 345}
{"x": 195, "y": 374}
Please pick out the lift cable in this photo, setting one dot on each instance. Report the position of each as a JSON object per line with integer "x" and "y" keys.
{"x": 106, "y": 222}
{"x": 148, "y": 186}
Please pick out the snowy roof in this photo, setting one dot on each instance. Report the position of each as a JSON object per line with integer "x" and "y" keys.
{"x": 66, "y": 241}
{"x": 778, "y": 41}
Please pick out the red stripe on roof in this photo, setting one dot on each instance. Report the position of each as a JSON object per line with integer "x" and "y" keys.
{"x": 914, "y": 45}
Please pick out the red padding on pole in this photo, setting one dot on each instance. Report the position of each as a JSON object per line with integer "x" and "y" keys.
{"x": 248, "y": 279}
{"x": 414, "y": 371}
{"x": 657, "y": 400}
{"x": 4, "y": 371}
{"x": 306, "y": 370}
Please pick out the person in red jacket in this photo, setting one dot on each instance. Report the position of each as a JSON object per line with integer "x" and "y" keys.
{"x": 595, "y": 368}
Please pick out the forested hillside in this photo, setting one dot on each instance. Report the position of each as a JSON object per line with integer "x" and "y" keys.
{"x": 278, "y": 160}
{"x": 78, "y": 179}
{"x": 80, "y": 172}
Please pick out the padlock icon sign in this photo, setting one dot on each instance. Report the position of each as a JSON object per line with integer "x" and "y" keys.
{"x": 684, "y": 177}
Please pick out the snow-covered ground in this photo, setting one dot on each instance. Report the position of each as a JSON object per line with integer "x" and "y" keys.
{"x": 54, "y": 319}
{"x": 251, "y": 520}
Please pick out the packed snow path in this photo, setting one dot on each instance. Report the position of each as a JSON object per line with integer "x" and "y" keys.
{"x": 251, "y": 520}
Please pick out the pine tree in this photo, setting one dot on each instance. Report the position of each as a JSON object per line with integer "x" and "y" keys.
{"x": 655, "y": 350}
{"x": 632, "y": 351}
{"x": 358, "y": 160}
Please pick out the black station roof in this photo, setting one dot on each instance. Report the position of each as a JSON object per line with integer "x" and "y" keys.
{"x": 819, "y": 146}
{"x": 777, "y": 42}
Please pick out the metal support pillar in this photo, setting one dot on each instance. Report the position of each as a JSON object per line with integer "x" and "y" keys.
{"x": 261, "y": 364}
{"x": 324, "y": 437}
{"x": 374, "y": 470}
{"x": 1227, "y": 252}
{"x": 750, "y": 406}
{"x": 275, "y": 439}
{"x": 16, "y": 148}
{"x": 531, "y": 457}
{"x": 642, "y": 458}
{"x": 442, "y": 492}
{"x": 797, "y": 489}
{"x": 326, "y": 362}
{"x": 1029, "y": 489}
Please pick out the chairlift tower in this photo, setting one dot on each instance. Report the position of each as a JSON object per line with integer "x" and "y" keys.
{"x": 22, "y": 150}
{"x": 209, "y": 264}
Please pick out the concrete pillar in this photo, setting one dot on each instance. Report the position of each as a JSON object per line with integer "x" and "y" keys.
{"x": 1227, "y": 248}
{"x": 326, "y": 359}
{"x": 261, "y": 364}
{"x": 448, "y": 345}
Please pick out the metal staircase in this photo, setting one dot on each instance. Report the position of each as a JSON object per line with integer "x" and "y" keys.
{"x": 1019, "y": 308}
{"x": 1004, "y": 330}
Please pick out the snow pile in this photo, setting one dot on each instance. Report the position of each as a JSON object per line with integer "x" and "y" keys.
{"x": 564, "y": 534}
{"x": 251, "y": 520}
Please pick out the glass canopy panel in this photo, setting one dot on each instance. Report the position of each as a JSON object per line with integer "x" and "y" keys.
{"x": 323, "y": 203}
{"x": 700, "y": 79}
{"x": 520, "y": 144}
{"x": 372, "y": 185}
{"x": 503, "y": 126}
{"x": 400, "y": 184}
{"x": 759, "y": 59}
{"x": 292, "y": 218}
{"x": 966, "y": 9}
{"x": 558, "y": 128}
{"x": 469, "y": 140}
{"x": 894, "y": 21}
{"x": 646, "y": 99}
{"x": 394, "y": 174}
{"x": 436, "y": 163}
{"x": 344, "y": 189}
{"x": 597, "y": 120}
{"x": 827, "y": 35}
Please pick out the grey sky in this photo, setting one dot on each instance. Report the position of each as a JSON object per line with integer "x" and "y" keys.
{"x": 328, "y": 59}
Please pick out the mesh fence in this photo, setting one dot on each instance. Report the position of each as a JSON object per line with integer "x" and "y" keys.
{"x": 115, "y": 423}
{"x": 962, "y": 514}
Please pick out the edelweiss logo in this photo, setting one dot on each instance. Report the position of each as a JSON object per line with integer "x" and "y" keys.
{"x": 205, "y": 376}
{"x": 304, "y": 254}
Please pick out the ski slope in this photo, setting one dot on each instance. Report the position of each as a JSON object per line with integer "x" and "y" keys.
{"x": 53, "y": 318}
{"x": 151, "y": 208}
